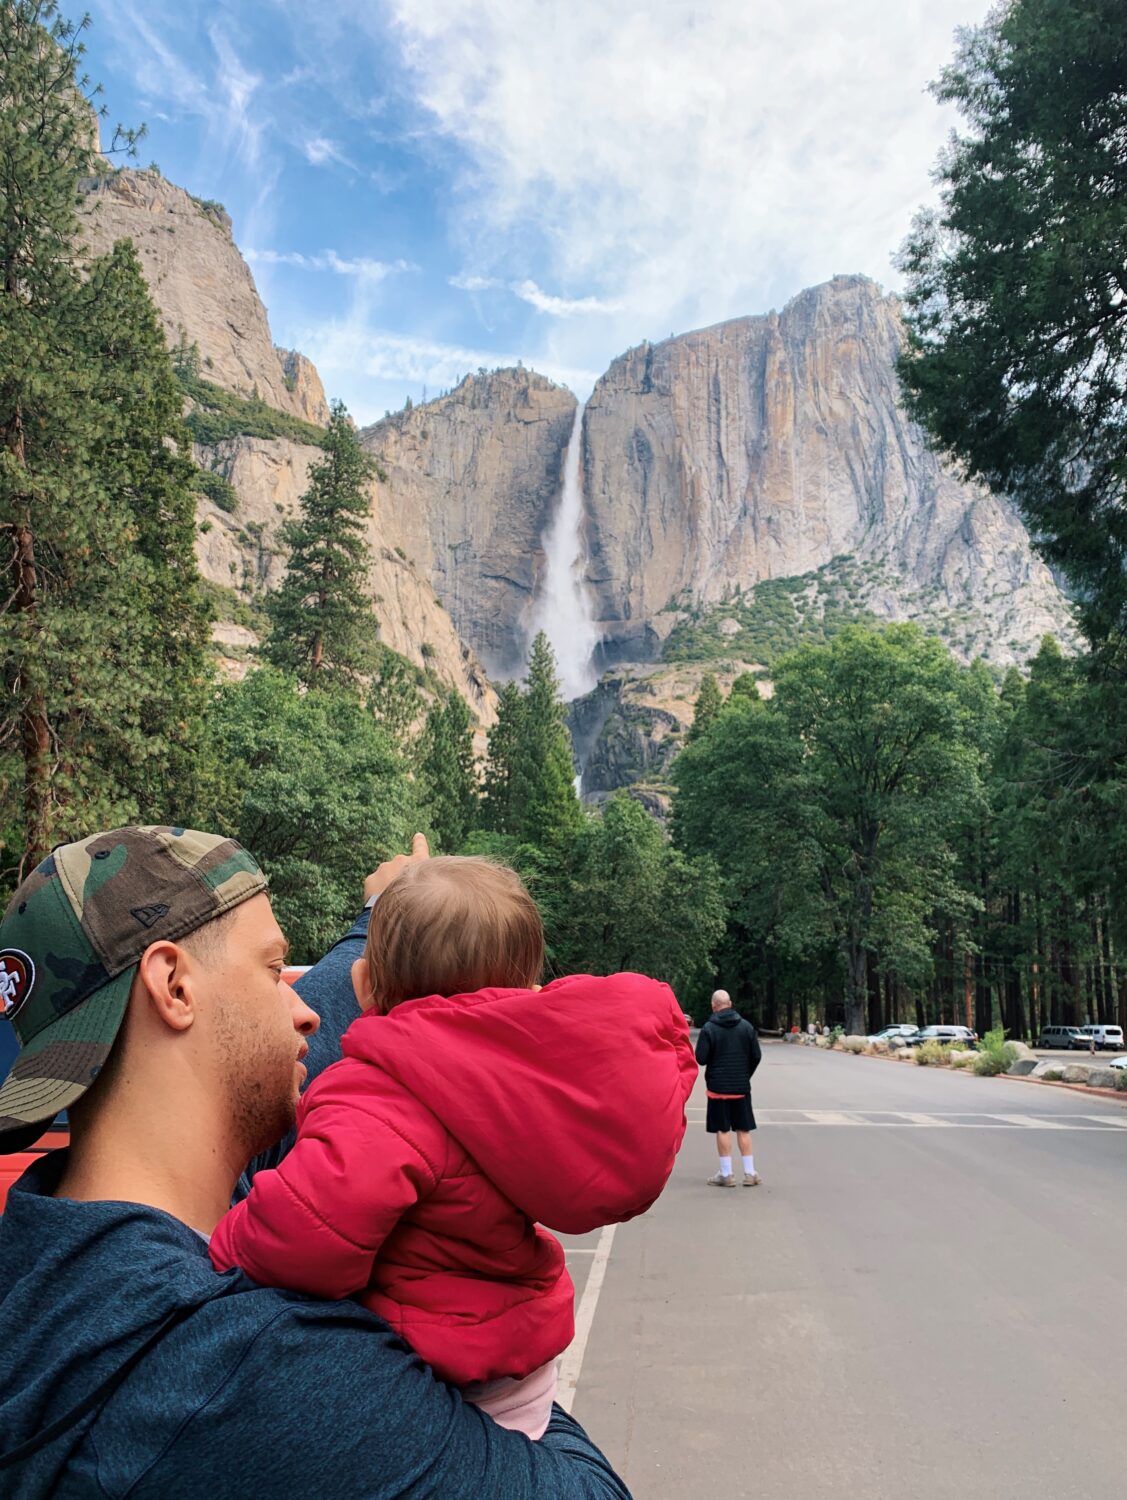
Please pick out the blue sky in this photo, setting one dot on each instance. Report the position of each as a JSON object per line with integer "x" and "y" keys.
{"x": 426, "y": 186}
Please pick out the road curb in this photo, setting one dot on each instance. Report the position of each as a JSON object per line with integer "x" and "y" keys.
{"x": 1059, "y": 1083}
{"x": 1052, "y": 1083}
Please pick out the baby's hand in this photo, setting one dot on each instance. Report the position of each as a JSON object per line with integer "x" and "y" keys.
{"x": 379, "y": 880}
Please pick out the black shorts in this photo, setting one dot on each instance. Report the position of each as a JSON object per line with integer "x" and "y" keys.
{"x": 730, "y": 1114}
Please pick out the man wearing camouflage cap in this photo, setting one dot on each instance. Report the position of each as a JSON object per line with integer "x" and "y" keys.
{"x": 141, "y": 972}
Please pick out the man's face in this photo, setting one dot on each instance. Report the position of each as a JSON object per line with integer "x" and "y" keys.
{"x": 257, "y": 1025}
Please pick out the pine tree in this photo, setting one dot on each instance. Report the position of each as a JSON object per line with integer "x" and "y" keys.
{"x": 502, "y": 740}
{"x": 322, "y": 627}
{"x": 447, "y": 781}
{"x": 708, "y": 705}
{"x": 543, "y": 805}
{"x": 102, "y": 633}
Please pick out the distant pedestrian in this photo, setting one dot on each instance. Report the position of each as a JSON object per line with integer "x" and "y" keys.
{"x": 729, "y": 1051}
{"x": 1092, "y": 1043}
{"x": 812, "y": 1029}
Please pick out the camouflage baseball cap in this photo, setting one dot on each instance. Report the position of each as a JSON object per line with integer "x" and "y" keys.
{"x": 70, "y": 943}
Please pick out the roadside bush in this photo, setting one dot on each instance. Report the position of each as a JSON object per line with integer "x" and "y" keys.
{"x": 1121, "y": 1079}
{"x": 993, "y": 1055}
{"x": 961, "y": 1058}
{"x": 1053, "y": 1075}
{"x": 932, "y": 1054}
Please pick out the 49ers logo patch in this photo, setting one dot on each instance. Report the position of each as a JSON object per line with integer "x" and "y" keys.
{"x": 17, "y": 977}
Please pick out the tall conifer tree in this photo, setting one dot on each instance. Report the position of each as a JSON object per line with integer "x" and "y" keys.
{"x": 544, "y": 807}
{"x": 497, "y": 800}
{"x": 322, "y": 626}
{"x": 102, "y": 626}
{"x": 446, "y": 773}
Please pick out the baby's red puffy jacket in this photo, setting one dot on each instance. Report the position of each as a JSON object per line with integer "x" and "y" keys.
{"x": 428, "y": 1157}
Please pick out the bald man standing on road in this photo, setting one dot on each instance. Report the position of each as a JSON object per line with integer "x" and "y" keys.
{"x": 728, "y": 1050}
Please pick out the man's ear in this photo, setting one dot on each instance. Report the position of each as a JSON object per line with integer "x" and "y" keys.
{"x": 165, "y": 972}
{"x": 362, "y": 984}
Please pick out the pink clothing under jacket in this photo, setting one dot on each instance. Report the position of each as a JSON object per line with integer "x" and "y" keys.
{"x": 451, "y": 1129}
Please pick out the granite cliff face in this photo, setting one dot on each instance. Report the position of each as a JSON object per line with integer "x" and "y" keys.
{"x": 202, "y": 287}
{"x": 205, "y": 295}
{"x": 770, "y": 447}
{"x": 472, "y": 482}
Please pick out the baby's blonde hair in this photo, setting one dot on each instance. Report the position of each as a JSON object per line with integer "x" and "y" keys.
{"x": 452, "y": 925}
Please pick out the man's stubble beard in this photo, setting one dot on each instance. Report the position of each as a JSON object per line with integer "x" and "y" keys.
{"x": 258, "y": 1083}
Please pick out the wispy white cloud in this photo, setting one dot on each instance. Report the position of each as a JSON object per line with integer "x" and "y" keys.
{"x": 329, "y": 260}
{"x": 318, "y": 150}
{"x": 561, "y": 307}
{"x": 236, "y": 86}
{"x": 465, "y": 281}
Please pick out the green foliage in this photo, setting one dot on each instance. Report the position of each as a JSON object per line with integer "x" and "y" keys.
{"x": 447, "y": 779}
{"x": 931, "y": 1054}
{"x": 104, "y": 630}
{"x": 211, "y": 208}
{"x": 315, "y": 789}
{"x": 218, "y": 414}
{"x": 529, "y": 790}
{"x": 230, "y": 605}
{"x": 831, "y": 810}
{"x": 638, "y": 903}
{"x": 776, "y": 616}
{"x": 393, "y": 696}
{"x": 219, "y": 491}
{"x": 1015, "y": 284}
{"x": 709, "y": 703}
{"x": 322, "y": 626}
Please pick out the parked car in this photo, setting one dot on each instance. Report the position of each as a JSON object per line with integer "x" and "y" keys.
{"x": 886, "y": 1033}
{"x": 1118, "y": 1062}
{"x": 1062, "y": 1038}
{"x": 1108, "y": 1038}
{"x": 945, "y": 1034}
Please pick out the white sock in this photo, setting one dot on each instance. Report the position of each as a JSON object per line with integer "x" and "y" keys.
{"x": 725, "y": 1166}
{"x": 749, "y": 1166}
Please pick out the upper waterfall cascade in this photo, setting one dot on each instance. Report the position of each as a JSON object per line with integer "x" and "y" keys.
{"x": 562, "y": 609}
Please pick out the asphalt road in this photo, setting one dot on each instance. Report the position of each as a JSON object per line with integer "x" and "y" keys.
{"x": 926, "y": 1297}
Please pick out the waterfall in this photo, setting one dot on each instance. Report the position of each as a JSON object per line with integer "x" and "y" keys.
{"x": 562, "y": 609}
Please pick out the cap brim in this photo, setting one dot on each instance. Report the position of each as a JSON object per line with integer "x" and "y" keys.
{"x": 57, "y": 1067}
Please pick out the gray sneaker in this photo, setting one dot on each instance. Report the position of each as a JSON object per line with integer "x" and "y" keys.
{"x": 721, "y": 1181}
{"x": 751, "y": 1179}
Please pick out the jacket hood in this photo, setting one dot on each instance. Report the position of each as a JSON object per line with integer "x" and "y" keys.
{"x": 57, "y": 1256}
{"x": 726, "y": 1017}
{"x": 570, "y": 1099}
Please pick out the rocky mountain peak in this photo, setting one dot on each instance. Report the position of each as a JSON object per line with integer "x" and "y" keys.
{"x": 770, "y": 447}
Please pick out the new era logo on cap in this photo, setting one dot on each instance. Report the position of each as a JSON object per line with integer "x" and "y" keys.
{"x": 17, "y": 977}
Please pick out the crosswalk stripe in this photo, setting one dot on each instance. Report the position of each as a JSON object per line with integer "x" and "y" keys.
{"x": 917, "y": 1120}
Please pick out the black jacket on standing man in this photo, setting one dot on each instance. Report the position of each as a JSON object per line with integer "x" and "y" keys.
{"x": 729, "y": 1050}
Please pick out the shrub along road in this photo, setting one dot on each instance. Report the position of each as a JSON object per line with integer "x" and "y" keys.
{"x": 925, "y": 1297}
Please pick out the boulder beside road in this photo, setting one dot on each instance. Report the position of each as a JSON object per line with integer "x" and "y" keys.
{"x": 1101, "y": 1078}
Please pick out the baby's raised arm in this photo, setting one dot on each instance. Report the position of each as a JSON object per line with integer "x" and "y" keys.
{"x": 316, "y": 1222}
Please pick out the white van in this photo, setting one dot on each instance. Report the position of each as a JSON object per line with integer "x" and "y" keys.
{"x": 1107, "y": 1037}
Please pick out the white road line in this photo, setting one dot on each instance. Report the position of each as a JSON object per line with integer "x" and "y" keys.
{"x": 1035, "y": 1122}
{"x": 1107, "y": 1120}
{"x": 572, "y": 1361}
